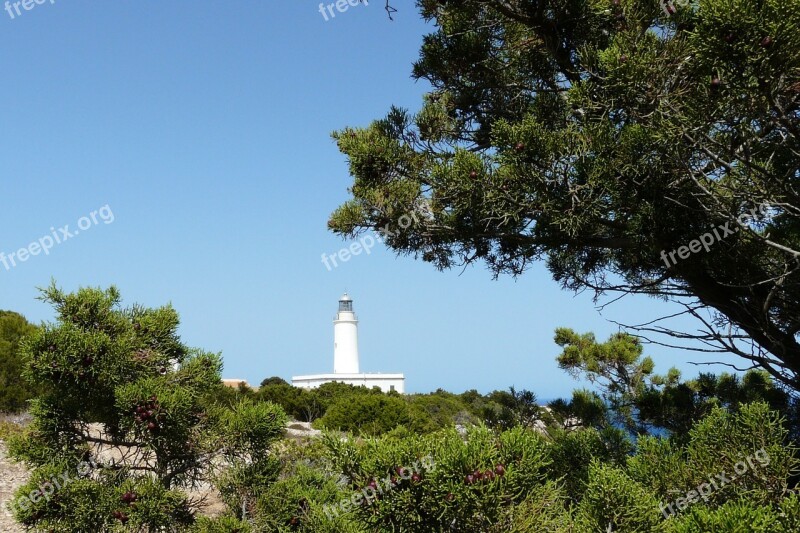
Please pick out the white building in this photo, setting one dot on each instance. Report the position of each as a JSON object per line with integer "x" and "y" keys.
{"x": 345, "y": 357}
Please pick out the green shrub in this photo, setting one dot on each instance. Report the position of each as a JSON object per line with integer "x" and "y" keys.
{"x": 615, "y": 502}
{"x": 371, "y": 414}
{"x": 744, "y": 516}
{"x": 545, "y": 509}
{"x": 572, "y": 452}
{"x": 222, "y": 524}
{"x": 439, "y": 410}
{"x": 442, "y": 481}
{"x": 107, "y": 384}
{"x": 297, "y": 502}
{"x": 730, "y": 457}
{"x": 14, "y": 390}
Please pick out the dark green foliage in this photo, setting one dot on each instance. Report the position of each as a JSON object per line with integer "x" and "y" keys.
{"x": 118, "y": 383}
{"x": 504, "y": 470}
{"x": 733, "y": 516}
{"x": 300, "y": 404}
{"x": 274, "y": 380}
{"x": 438, "y": 410}
{"x": 369, "y": 414}
{"x": 632, "y": 396}
{"x": 223, "y": 524}
{"x": 572, "y": 452}
{"x": 612, "y": 501}
{"x": 600, "y": 136}
{"x": 14, "y": 391}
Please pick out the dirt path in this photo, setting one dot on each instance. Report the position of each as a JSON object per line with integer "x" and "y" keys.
{"x": 12, "y": 476}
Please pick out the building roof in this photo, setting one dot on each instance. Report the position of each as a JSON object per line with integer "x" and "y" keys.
{"x": 234, "y": 383}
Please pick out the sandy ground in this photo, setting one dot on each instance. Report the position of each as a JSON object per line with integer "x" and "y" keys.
{"x": 12, "y": 476}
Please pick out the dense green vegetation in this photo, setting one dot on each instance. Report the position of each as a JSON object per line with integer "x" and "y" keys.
{"x": 639, "y": 452}
{"x": 119, "y": 433}
{"x": 371, "y": 412}
{"x": 14, "y": 392}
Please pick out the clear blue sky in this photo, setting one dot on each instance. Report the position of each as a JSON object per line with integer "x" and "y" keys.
{"x": 204, "y": 126}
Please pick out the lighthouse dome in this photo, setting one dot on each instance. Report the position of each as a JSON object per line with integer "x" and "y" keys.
{"x": 345, "y": 303}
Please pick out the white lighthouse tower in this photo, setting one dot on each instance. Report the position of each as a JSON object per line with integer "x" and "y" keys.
{"x": 346, "y": 367}
{"x": 345, "y": 338}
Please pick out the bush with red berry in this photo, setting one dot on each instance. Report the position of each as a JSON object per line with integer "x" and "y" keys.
{"x": 122, "y": 393}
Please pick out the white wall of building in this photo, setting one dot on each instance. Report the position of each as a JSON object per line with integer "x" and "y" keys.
{"x": 345, "y": 343}
{"x": 386, "y": 382}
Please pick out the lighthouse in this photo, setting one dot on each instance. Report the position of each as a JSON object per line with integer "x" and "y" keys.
{"x": 345, "y": 338}
{"x": 346, "y": 362}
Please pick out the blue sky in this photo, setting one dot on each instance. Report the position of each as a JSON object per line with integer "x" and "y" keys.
{"x": 205, "y": 128}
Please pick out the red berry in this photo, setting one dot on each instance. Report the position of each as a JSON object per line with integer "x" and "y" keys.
{"x": 152, "y": 426}
{"x": 473, "y": 174}
{"x": 449, "y": 497}
{"x": 416, "y": 478}
{"x": 469, "y": 480}
{"x": 716, "y": 83}
{"x": 500, "y": 470}
{"x": 520, "y": 146}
